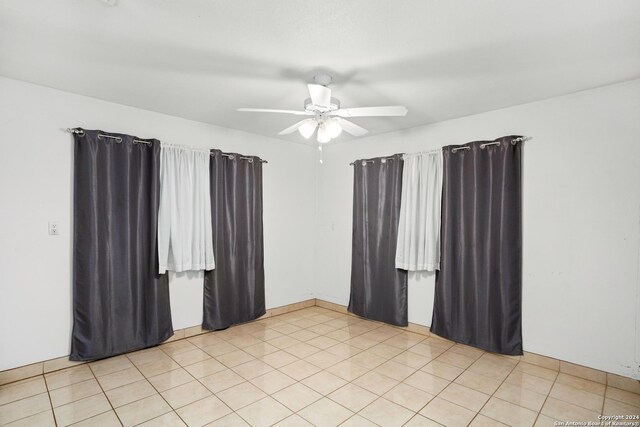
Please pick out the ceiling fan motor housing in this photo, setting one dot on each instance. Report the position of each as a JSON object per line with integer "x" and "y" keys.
{"x": 309, "y": 106}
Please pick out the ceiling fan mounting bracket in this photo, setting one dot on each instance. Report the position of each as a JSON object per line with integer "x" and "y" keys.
{"x": 322, "y": 79}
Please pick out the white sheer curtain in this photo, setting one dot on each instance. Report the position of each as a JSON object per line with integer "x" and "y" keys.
{"x": 185, "y": 240}
{"x": 418, "y": 246}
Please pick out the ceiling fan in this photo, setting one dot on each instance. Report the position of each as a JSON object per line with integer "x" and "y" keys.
{"x": 328, "y": 118}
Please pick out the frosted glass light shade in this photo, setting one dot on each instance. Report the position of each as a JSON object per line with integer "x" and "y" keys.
{"x": 307, "y": 128}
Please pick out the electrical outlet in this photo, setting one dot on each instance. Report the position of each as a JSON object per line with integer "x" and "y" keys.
{"x": 53, "y": 228}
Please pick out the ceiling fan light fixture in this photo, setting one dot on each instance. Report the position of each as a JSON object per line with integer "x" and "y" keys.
{"x": 307, "y": 128}
{"x": 333, "y": 128}
{"x": 323, "y": 134}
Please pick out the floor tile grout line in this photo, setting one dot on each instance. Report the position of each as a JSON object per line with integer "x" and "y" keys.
{"x": 104, "y": 393}
{"x": 547, "y": 397}
{"x": 53, "y": 413}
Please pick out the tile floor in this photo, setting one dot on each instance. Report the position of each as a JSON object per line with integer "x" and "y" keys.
{"x": 309, "y": 367}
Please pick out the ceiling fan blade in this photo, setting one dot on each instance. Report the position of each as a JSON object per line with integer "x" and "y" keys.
{"x": 267, "y": 110}
{"x": 392, "y": 110}
{"x": 320, "y": 95}
{"x": 293, "y": 128}
{"x": 352, "y": 128}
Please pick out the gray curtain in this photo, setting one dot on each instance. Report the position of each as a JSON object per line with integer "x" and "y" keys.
{"x": 478, "y": 291}
{"x": 378, "y": 289}
{"x": 120, "y": 302}
{"x": 234, "y": 290}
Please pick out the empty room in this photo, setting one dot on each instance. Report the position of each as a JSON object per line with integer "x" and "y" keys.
{"x": 319, "y": 213}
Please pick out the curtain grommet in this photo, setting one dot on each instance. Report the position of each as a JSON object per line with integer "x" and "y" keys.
{"x": 250, "y": 160}
{"x": 364, "y": 163}
{"x": 383, "y": 161}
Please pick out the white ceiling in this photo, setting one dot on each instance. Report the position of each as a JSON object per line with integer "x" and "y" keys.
{"x": 202, "y": 59}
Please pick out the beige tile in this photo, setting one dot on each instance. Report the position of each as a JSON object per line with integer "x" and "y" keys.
{"x": 561, "y": 410}
{"x": 428, "y": 349}
{"x": 386, "y": 413}
{"x": 184, "y": 394}
{"x": 279, "y": 359}
{"x": 538, "y": 371}
{"x": 325, "y": 412}
{"x": 447, "y": 413}
{"x": 243, "y": 341}
{"x": 343, "y": 350}
{"x": 353, "y": 397}
{"x": 420, "y": 421}
{"x": 542, "y": 361}
{"x": 283, "y": 342}
{"x": 42, "y": 419}
{"x": 142, "y": 410}
{"x": 530, "y": 382}
{"x": 361, "y": 342}
{"x": 412, "y": 360}
{"x": 583, "y": 372}
{"x": 252, "y": 369}
{"x": 623, "y": 383}
{"x": 467, "y": 350}
{"x": 427, "y": 382}
{"x": 404, "y": 340}
{"x": 120, "y": 378}
{"x": 464, "y": 396}
{"x": 395, "y": 370}
{"x": 376, "y": 383}
{"x": 581, "y": 384}
{"x": 24, "y": 408}
{"x": 615, "y": 407}
{"x": 296, "y": 396}
{"x": 521, "y": 396}
{"x": 235, "y": 358}
{"x": 190, "y": 357}
{"x": 204, "y": 368}
{"x": 491, "y": 369}
{"x": 81, "y": 409}
{"x": 147, "y": 355}
{"x": 324, "y": 382}
{"x": 478, "y": 382}
{"x": 299, "y": 370}
{"x": 203, "y": 411}
{"x": 408, "y": 396}
{"x": 577, "y": 397}
{"x": 68, "y": 376}
{"x": 260, "y": 349}
{"x": 264, "y": 412}
{"x": 241, "y": 395}
{"x": 194, "y": 330}
{"x": 221, "y": 380}
{"x": 59, "y": 363}
{"x": 544, "y": 421}
{"x": 177, "y": 347}
{"x": 368, "y": 360}
{"x": 170, "y": 379}
{"x": 106, "y": 419}
{"x": 170, "y": 419}
{"x": 21, "y": 389}
{"x": 157, "y": 367}
{"x": 110, "y": 365}
{"x": 293, "y": 421}
{"x": 231, "y": 420}
{"x": 302, "y": 350}
{"x": 347, "y": 370}
{"x": 21, "y": 373}
{"x": 129, "y": 393}
{"x": 323, "y": 359}
{"x": 456, "y": 359}
{"x": 482, "y": 421}
{"x": 71, "y": 393}
{"x": 508, "y": 413}
{"x": 219, "y": 349}
{"x": 205, "y": 340}
{"x": 442, "y": 370}
{"x": 623, "y": 396}
{"x": 272, "y": 381}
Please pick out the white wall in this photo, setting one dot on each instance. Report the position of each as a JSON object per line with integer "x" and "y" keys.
{"x": 35, "y": 187}
{"x": 581, "y": 220}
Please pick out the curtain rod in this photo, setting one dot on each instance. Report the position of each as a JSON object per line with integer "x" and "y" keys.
{"x": 80, "y": 132}
{"x": 455, "y": 150}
